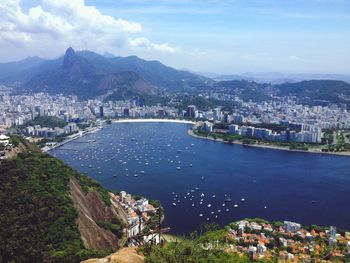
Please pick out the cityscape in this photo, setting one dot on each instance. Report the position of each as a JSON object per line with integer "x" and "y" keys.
{"x": 174, "y": 131}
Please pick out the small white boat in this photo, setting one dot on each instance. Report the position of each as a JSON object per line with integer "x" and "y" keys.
{"x": 235, "y": 206}
{"x": 174, "y": 204}
{"x": 209, "y": 205}
{"x": 242, "y": 200}
{"x": 200, "y": 215}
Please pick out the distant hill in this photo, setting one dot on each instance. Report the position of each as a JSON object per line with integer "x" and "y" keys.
{"x": 246, "y": 90}
{"x": 88, "y": 75}
{"x": 278, "y": 78}
{"x": 317, "y": 91}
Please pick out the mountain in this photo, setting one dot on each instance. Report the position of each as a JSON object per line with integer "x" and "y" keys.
{"x": 88, "y": 74}
{"x": 51, "y": 213}
{"x": 246, "y": 90}
{"x": 317, "y": 91}
{"x": 86, "y": 79}
{"x": 19, "y": 70}
{"x": 279, "y": 78}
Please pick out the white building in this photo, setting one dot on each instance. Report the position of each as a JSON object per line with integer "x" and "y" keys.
{"x": 208, "y": 126}
{"x": 4, "y": 140}
{"x": 291, "y": 226}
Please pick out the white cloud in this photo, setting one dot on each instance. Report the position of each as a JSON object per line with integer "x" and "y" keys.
{"x": 293, "y": 57}
{"x": 146, "y": 44}
{"x": 52, "y": 26}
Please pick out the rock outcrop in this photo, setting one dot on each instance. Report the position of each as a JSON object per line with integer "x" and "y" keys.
{"x": 91, "y": 209}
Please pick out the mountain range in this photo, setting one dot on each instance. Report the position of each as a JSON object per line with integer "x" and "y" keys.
{"x": 90, "y": 75}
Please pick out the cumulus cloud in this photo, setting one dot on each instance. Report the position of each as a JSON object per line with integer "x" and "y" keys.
{"x": 57, "y": 24}
{"x": 145, "y": 43}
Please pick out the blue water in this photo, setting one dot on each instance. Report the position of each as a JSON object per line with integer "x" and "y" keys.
{"x": 302, "y": 187}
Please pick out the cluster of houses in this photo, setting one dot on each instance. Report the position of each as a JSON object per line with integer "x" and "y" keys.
{"x": 308, "y": 133}
{"x": 135, "y": 213}
{"x": 5, "y": 145}
{"x": 288, "y": 241}
{"x": 46, "y": 132}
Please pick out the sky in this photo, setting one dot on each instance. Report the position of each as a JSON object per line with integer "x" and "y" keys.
{"x": 216, "y": 36}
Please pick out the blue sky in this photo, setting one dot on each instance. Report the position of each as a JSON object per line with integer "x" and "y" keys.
{"x": 224, "y": 37}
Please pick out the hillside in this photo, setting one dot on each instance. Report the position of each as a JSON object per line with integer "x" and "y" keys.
{"x": 317, "y": 91}
{"x": 244, "y": 89}
{"x": 76, "y": 75}
{"x": 88, "y": 75}
{"x": 49, "y": 212}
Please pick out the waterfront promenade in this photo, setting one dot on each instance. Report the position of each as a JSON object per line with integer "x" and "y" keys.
{"x": 154, "y": 120}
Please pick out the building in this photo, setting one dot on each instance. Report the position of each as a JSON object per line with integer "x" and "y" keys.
{"x": 4, "y": 140}
{"x": 208, "y": 126}
{"x": 233, "y": 129}
{"x": 332, "y": 235}
{"x": 217, "y": 114}
{"x": 191, "y": 111}
{"x": 291, "y": 226}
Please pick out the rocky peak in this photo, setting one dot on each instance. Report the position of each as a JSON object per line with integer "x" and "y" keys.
{"x": 68, "y": 58}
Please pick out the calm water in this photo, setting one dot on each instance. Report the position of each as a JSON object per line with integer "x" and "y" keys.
{"x": 170, "y": 165}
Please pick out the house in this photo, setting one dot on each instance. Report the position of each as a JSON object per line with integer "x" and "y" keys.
{"x": 4, "y": 140}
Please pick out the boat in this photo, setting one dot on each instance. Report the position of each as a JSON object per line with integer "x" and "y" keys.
{"x": 242, "y": 200}
{"x": 200, "y": 215}
{"x": 235, "y": 206}
{"x": 174, "y": 204}
{"x": 209, "y": 205}
{"x": 114, "y": 175}
{"x": 179, "y": 168}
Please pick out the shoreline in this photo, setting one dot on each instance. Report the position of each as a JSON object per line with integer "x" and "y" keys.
{"x": 72, "y": 138}
{"x": 271, "y": 147}
{"x": 153, "y": 120}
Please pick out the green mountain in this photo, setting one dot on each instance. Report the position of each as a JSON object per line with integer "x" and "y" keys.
{"x": 317, "y": 91}
{"x": 86, "y": 79}
{"x": 89, "y": 75}
{"x": 51, "y": 213}
{"x": 246, "y": 90}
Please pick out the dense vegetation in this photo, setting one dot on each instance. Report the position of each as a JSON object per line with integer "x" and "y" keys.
{"x": 316, "y": 92}
{"x": 245, "y": 90}
{"x": 37, "y": 215}
{"x": 193, "y": 249}
{"x": 47, "y": 121}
